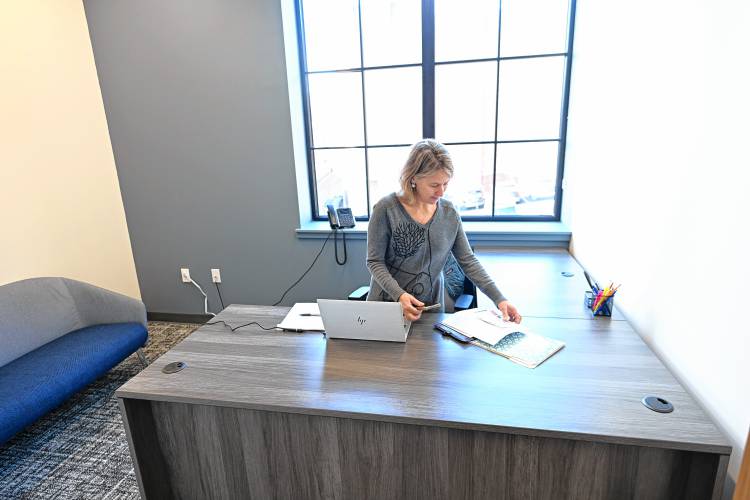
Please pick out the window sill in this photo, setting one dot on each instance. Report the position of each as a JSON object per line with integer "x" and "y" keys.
{"x": 552, "y": 234}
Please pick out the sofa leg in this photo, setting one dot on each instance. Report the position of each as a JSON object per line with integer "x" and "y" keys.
{"x": 142, "y": 357}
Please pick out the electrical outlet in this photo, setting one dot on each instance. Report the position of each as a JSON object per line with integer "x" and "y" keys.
{"x": 216, "y": 275}
{"x": 185, "y": 273}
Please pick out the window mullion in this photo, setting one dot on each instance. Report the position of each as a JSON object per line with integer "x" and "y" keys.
{"x": 564, "y": 113}
{"x": 497, "y": 104}
{"x": 428, "y": 68}
{"x": 364, "y": 107}
{"x": 304, "y": 76}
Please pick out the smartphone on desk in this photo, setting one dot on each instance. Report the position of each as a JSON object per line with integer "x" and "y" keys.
{"x": 431, "y": 307}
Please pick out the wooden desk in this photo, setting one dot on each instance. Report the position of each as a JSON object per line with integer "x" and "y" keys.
{"x": 281, "y": 415}
{"x": 532, "y": 280}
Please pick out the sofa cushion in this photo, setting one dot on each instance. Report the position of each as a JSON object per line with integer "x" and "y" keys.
{"x": 97, "y": 305}
{"x": 32, "y": 313}
{"x": 41, "y": 380}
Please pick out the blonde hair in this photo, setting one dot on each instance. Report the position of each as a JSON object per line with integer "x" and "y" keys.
{"x": 426, "y": 157}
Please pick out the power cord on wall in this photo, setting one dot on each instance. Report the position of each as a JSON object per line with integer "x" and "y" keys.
{"x": 205, "y": 297}
{"x": 220, "y": 299}
{"x": 341, "y": 263}
{"x": 305, "y": 273}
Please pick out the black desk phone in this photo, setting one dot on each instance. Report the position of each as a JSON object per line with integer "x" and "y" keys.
{"x": 340, "y": 218}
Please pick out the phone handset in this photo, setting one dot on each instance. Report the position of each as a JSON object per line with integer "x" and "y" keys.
{"x": 340, "y": 218}
{"x": 333, "y": 218}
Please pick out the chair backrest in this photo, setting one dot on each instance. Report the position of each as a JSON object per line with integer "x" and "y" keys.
{"x": 458, "y": 287}
{"x": 456, "y": 282}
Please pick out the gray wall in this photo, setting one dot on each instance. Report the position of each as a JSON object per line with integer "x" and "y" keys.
{"x": 198, "y": 112}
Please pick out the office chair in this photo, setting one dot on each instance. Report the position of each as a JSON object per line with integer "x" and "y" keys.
{"x": 458, "y": 287}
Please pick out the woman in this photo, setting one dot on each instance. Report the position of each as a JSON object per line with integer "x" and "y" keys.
{"x": 412, "y": 233}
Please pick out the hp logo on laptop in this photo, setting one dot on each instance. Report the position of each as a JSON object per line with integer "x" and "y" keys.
{"x": 361, "y": 321}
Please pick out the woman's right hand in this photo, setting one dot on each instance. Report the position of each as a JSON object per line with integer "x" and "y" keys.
{"x": 409, "y": 304}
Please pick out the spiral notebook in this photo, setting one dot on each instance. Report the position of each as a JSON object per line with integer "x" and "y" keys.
{"x": 486, "y": 329}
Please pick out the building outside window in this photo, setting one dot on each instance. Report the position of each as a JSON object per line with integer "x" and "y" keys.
{"x": 487, "y": 78}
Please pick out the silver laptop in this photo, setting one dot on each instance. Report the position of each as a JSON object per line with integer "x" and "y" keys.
{"x": 363, "y": 320}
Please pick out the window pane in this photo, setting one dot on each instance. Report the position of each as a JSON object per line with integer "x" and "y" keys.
{"x": 340, "y": 179}
{"x": 533, "y": 27}
{"x": 530, "y": 98}
{"x": 394, "y": 105}
{"x": 384, "y": 166}
{"x": 391, "y": 32}
{"x": 526, "y": 176}
{"x": 470, "y": 189}
{"x": 336, "y": 109}
{"x": 332, "y": 34}
{"x": 466, "y": 30}
{"x": 465, "y": 101}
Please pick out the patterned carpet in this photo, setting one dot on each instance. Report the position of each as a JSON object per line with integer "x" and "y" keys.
{"x": 80, "y": 449}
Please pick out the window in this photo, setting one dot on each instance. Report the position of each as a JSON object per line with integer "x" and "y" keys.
{"x": 487, "y": 78}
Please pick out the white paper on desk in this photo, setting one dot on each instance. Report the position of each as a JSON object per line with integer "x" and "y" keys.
{"x": 294, "y": 320}
{"x": 481, "y": 324}
{"x": 492, "y": 317}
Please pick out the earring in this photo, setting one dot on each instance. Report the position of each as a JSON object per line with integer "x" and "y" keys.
{"x": 413, "y": 185}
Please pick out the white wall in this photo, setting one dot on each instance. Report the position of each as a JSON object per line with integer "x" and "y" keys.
{"x": 61, "y": 212}
{"x": 658, "y": 182}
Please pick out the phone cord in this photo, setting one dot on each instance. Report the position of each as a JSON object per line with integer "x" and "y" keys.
{"x": 336, "y": 247}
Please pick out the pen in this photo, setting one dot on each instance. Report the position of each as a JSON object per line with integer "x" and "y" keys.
{"x": 309, "y": 314}
{"x": 588, "y": 278}
{"x": 595, "y": 306}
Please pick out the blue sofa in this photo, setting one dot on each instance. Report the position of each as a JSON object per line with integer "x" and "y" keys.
{"x": 58, "y": 335}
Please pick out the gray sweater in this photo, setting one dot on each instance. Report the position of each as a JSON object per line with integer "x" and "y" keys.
{"x": 406, "y": 256}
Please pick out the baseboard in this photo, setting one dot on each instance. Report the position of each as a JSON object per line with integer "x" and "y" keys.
{"x": 177, "y": 317}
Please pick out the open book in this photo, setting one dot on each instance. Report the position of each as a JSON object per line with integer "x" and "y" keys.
{"x": 486, "y": 329}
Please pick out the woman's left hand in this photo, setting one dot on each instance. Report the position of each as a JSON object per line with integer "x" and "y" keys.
{"x": 510, "y": 313}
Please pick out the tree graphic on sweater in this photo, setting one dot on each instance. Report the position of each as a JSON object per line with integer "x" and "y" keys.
{"x": 408, "y": 237}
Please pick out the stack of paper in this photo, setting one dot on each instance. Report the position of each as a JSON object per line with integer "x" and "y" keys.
{"x": 303, "y": 317}
{"x": 513, "y": 341}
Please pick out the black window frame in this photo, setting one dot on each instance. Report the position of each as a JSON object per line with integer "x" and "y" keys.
{"x": 428, "y": 107}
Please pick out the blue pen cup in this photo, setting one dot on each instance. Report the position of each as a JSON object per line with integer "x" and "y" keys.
{"x": 604, "y": 310}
